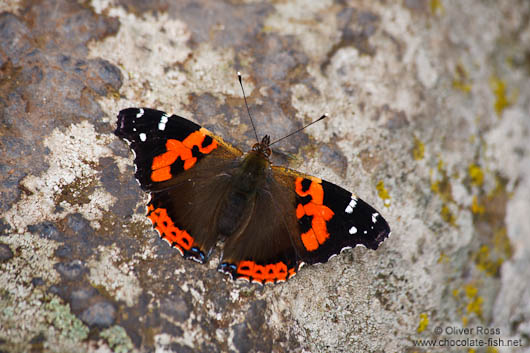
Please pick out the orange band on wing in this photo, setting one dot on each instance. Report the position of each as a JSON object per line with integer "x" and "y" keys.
{"x": 320, "y": 214}
{"x": 161, "y": 174}
{"x": 167, "y": 229}
{"x": 176, "y": 149}
{"x": 262, "y": 273}
{"x": 315, "y": 191}
{"x": 309, "y": 240}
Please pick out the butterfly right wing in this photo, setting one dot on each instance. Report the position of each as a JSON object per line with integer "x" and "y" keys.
{"x": 299, "y": 219}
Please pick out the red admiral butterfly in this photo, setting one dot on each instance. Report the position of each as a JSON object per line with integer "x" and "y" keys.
{"x": 272, "y": 219}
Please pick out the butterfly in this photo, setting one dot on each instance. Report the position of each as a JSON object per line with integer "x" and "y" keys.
{"x": 272, "y": 219}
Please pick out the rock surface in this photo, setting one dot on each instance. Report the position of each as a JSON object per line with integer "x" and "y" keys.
{"x": 430, "y": 123}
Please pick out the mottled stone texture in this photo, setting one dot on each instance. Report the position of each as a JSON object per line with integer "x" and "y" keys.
{"x": 429, "y": 104}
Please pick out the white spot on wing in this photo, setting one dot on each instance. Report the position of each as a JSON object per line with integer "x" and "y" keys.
{"x": 143, "y": 137}
{"x": 162, "y": 123}
{"x": 374, "y": 217}
{"x": 140, "y": 113}
{"x": 351, "y": 205}
{"x": 353, "y": 230}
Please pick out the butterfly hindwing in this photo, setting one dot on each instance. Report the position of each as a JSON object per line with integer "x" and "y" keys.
{"x": 183, "y": 214}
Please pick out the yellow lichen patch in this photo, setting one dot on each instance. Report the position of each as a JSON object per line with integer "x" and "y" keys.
{"x": 424, "y": 322}
{"x": 465, "y": 320}
{"x": 475, "y": 301}
{"x": 486, "y": 263}
{"x": 447, "y": 215}
{"x": 492, "y": 350}
{"x": 456, "y": 292}
{"x": 499, "y": 90}
{"x": 460, "y": 81}
{"x": 418, "y": 152}
{"x": 437, "y": 7}
{"x": 443, "y": 258}
{"x": 440, "y": 166}
{"x": 471, "y": 350}
{"x": 442, "y": 188}
{"x": 476, "y": 207}
{"x": 476, "y": 175}
{"x": 383, "y": 193}
{"x": 470, "y": 290}
{"x": 435, "y": 187}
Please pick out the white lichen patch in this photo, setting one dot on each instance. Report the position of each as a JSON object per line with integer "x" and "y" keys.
{"x": 191, "y": 336}
{"x": 147, "y": 251}
{"x": 119, "y": 280}
{"x": 12, "y": 6}
{"x": 153, "y": 54}
{"x": 99, "y": 205}
{"x": 72, "y": 153}
{"x": 212, "y": 71}
{"x": 21, "y": 307}
{"x": 312, "y": 22}
{"x": 148, "y": 50}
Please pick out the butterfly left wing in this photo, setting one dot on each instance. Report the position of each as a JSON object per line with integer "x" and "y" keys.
{"x": 330, "y": 218}
{"x": 183, "y": 166}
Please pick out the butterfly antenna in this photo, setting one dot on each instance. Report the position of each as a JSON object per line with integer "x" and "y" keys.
{"x": 300, "y": 129}
{"x": 248, "y": 110}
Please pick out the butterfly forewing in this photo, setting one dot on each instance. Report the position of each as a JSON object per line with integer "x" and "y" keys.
{"x": 166, "y": 146}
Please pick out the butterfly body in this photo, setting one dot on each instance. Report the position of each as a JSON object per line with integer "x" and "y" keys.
{"x": 247, "y": 180}
{"x": 272, "y": 219}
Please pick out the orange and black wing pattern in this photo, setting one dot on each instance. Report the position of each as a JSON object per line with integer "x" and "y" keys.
{"x": 299, "y": 219}
{"x": 330, "y": 219}
{"x": 272, "y": 219}
{"x": 166, "y": 146}
{"x": 181, "y": 164}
